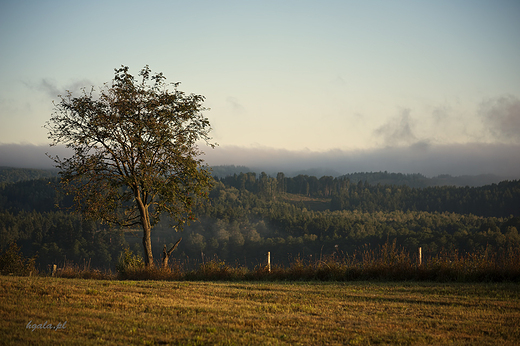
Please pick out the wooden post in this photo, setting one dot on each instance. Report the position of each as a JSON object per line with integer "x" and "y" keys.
{"x": 54, "y": 268}
{"x": 420, "y": 256}
{"x": 269, "y": 262}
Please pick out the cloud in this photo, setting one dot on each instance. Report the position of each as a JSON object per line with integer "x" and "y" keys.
{"x": 338, "y": 82}
{"x": 502, "y": 117}
{"x": 421, "y": 157}
{"x": 29, "y": 155}
{"x": 51, "y": 88}
{"x": 441, "y": 113}
{"x": 397, "y": 131}
{"x": 236, "y": 106}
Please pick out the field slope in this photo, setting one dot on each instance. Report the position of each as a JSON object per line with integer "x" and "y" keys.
{"x": 229, "y": 313}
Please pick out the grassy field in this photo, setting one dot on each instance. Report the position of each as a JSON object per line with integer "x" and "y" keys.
{"x": 242, "y": 313}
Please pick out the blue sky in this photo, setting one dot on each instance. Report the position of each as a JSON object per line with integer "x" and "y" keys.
{"x": 289, "y": 80}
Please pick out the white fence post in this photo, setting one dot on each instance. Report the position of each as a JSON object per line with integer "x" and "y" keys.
{"x": 269, "y": 262}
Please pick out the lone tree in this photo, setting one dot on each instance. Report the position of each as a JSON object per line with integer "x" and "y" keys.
{"x": 135, "y": 152}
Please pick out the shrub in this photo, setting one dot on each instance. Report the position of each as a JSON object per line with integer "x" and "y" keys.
{"x": 129, "y": 262}
{"x": 131, "y": 266}
{"x": 12, "y": 262}
{"x": 331, "y": 270}
{"x": 72, "y": 271}
{"x": 259, "y": 273}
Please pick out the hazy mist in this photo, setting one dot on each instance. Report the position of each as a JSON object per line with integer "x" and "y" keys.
{"x": 461, "y": 159}
{"x": 430, "y": 160}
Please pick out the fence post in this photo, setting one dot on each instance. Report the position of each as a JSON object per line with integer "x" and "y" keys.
{"x": 420, "y": 256}
{"x": 54, "y": 268}
{"x": 269, "y": 262}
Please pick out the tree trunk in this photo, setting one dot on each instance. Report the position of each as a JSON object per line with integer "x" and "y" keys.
{"x": 147, "y": 244}
{"x": 167, "y": 254}
{"x": 147, "y": 231}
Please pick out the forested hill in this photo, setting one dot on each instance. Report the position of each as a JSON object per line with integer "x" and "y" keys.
{"x": 249, "y": 214}
{"x": 13, "y": 175}
{"x": 383, "y": 178}
{"x": 495, "y": 200}
{"x": 419, "y": 180}
{"x": 499, "y": 200}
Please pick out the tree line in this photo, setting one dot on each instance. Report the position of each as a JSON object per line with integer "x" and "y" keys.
{"x": 499, "y": 200}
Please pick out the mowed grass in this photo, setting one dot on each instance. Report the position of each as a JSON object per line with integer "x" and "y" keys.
{"x": 245, "y": 313}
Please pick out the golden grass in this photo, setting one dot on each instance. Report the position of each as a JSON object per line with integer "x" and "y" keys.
{"x": 241, "y": 313}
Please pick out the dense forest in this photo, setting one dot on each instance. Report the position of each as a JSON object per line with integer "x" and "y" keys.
{"x": 248, "y": 215}
{"x": 13, "y": 175}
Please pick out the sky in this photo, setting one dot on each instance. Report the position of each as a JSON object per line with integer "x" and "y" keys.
{"x": 429, "y": 87}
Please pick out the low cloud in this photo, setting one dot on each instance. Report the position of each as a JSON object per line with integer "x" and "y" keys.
{"x": 29, "y": 155}
{"x": 421, "y": 157}
{"x": 502, "y": 117}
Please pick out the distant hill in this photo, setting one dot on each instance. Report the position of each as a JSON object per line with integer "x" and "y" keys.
{"x": 13, "y": 175}
{"x": 417, "y": 180}
{"x": 466, "y": 180}
{"x": 316, "y": 172}
{"x": 420, "y": 181}
{"x": 227, "y": 170}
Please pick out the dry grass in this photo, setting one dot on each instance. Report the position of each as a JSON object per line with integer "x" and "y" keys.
{"x": 387, "y": 263}
{"x": 73, "y": 271}
{"x": 231, "y": 313}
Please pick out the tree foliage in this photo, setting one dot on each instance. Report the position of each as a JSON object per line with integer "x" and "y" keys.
{"x": 135, "y": 151}
{"x": 12, "y": 262}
